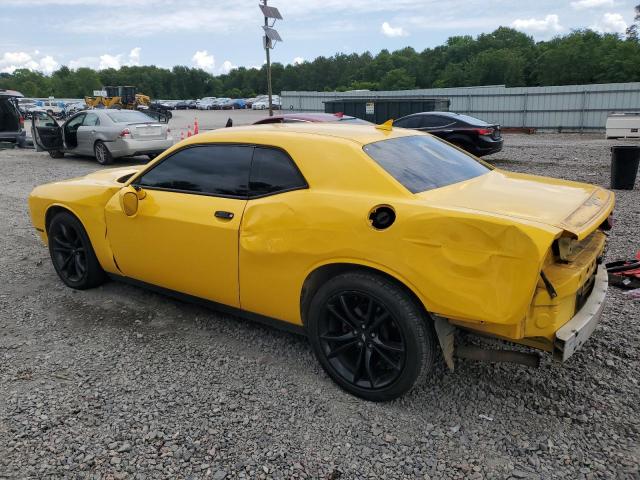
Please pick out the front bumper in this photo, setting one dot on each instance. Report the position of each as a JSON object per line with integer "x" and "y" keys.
{"x": 573, "y": 334}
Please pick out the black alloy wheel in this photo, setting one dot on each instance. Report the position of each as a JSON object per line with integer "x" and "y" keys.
{"x": 361, "y": 340}
{"x": 72, "y": 254}
{"x": 370, "y": 336}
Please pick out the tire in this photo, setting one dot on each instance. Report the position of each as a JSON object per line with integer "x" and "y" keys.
{"x": 102, "y": 153}
{"x": 370, "y": 336}
{"x": 71, "y": 252}
{"x": 56, "y": 154}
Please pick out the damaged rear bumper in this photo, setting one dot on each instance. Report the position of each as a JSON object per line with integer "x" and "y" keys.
{"x": 573, "y": 334}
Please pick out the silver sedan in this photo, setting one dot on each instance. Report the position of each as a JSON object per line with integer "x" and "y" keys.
{"x": 105, "y": 134}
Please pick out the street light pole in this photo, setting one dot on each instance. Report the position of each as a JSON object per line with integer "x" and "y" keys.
{"x": 267, "y": 42}
{"x": 270, "y": 37}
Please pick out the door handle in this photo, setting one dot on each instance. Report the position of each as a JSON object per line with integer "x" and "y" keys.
{"x": 224, "y": 215}
{"x": 93, "y": 131}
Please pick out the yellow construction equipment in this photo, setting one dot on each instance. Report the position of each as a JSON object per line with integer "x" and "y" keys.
{"x": 121, "y": 97}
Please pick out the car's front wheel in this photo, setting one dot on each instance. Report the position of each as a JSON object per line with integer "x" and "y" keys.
{"x": 370, "y": 336}
{"x": 102, "y": 153}
{"x": 71, "y": 252}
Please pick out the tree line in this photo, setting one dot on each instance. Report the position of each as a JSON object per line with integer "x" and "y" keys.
{"x": 504, "y": 56}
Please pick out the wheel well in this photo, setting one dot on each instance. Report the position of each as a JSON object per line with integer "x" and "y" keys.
{"x": 52, "y": 212}
{"x": 321, "y": 275}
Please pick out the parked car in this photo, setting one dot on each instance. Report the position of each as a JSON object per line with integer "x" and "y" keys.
{"x": 312, "y": 118}
{"x": 469, "y": 133}
{"x": 377, "y": 243}
{"x": 181, "y": 105}
{"x": 106, "y": 134}
{"x": 75, "y": 107}
{"x": 218, "y": 102}
{"x": 11, "y": 120}
{"x": 51, "y": 106}
{"x": 233, "y": 104}
{"x": 205, "y": 103}
{"x": 192, "y": 104}
{"x": 263, "y": 104}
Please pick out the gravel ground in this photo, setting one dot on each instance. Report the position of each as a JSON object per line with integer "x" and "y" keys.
{"x": 118, "y": 382}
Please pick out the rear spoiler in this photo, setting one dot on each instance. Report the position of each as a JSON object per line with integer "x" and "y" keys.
{"x": 590, "y": 215}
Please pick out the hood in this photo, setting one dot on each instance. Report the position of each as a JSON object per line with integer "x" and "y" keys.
{"x": 111, "y": 175}
{"x": 577, "y": 208}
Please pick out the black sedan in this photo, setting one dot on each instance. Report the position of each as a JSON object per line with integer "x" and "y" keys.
{"x": 469, "y": 133}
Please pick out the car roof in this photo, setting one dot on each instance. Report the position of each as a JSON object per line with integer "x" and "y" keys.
{"x": 329, "y": 131}
{"x": 10, "y": 93}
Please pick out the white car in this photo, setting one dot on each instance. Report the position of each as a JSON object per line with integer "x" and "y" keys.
{"x": 263, "y": 103}
{"x": 51, "y": 106}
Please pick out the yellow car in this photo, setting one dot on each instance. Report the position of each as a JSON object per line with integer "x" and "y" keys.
{"x": 378, "y": 243}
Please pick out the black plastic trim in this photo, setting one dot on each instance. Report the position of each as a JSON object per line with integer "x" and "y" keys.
{"x": 256, "y": 317}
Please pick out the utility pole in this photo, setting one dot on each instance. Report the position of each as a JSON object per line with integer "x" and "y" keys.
{"x": 269, "y": 39}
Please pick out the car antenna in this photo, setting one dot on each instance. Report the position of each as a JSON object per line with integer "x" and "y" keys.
{"x": 229, "y": 123}
{"x": 387, "y": 126}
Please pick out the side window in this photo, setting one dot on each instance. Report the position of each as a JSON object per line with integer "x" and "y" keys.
{"x": 221, "y": 170}
{"x": 90, "y": 120}
{"x": 75, "y": 122}
{"x": 273, "y": 171}
{"x": 408, "y": 122}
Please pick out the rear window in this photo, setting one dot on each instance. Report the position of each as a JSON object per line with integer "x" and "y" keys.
{"x": 129, "y": 116}
{"x": 470, "y": 120}
{"x": 423, "y": 162}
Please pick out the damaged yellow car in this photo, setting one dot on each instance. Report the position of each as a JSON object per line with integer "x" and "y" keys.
{"x": 378, "y": 243}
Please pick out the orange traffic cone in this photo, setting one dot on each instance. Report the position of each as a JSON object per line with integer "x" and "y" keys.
{"x": 181, "y": 135}
{"x": 196, "y": 129}
{"x": 189, "y": 131}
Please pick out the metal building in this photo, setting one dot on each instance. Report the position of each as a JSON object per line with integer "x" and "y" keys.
{"x": 567, "y": 107}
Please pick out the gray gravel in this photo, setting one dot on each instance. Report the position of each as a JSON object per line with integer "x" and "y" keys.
{"x": 118, "y": 382}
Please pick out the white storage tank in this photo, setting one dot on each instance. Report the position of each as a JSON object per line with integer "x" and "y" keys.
{"x": 623, "y": 125}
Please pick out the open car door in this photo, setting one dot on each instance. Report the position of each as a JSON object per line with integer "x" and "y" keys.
{"x": 47, "y": 134}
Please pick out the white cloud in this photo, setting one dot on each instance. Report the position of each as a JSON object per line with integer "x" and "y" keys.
{"x": 203, "y": 60}
{"x": 110, "y": 61}
{"x": 298, "y": 60}
{"x": 48, "y": 64}
{"x": 550, "y": 23}
{"x": 585, "y": 4}
{"x": 610, "y": 23}
{"x": 227, "y": 66}
{"x": 12, "y": 61}
{"x": 134, "y": 56}
{"x": 389, "y": 31}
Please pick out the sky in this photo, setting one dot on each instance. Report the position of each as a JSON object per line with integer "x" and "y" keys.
{"x": 217, "y": 35}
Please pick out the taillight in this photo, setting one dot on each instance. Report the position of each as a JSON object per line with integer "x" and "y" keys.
{"x": 21, "y": 121}
{"x": 126, "y": 133}
{"x": 484, "y": 131}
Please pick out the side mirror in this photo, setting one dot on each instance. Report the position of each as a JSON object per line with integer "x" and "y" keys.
{"x": 129, "y": 199}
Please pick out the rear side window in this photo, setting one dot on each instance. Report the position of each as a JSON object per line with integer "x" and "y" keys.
{"x": 273, "y": 171}
{"x": 219, "y": 170}
{"x": 423, "y": 162}
{"x": 408, "y": 122}
{"x": 90, "y": 120}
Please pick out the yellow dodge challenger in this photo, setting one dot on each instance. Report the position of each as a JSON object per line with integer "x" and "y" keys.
{"x": 378, "y": 243}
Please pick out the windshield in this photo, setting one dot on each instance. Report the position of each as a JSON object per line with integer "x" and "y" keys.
{"x": 423, "y": 162}
{"x": 129, "y": 116}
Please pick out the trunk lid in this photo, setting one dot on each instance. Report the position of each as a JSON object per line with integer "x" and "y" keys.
{"x": 147, "y": 131}
{"x": 577, "y": 208}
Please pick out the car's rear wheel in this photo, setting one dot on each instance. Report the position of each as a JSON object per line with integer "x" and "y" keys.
{"x": 56, "y": 154}
{"x": 370, "y": 336}
{"x": 102, "y": 153}
{"x": 71, "y": 252}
